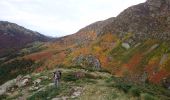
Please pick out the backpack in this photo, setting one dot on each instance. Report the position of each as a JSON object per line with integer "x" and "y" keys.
{"x": 57, "y": 75}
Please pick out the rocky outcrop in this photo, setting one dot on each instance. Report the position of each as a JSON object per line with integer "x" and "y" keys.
{"x": 87, "y": 61}
{"x": 157, "y": 4}
{"x": 19, "y": 82}
{"x": 23, "y": 81}
{"x": 146, "y": 20}
{"x": 5, "y": 87}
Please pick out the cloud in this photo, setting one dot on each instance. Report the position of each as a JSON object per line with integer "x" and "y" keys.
{"x": 60, "y": 17}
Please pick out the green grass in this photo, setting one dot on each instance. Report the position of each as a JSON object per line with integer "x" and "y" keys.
{"x": 137, "y": 89}
{"x": 13, "y": 69}
{"x": 147, "y": 96}
{"x": 69, "y": 77}
{"x": 47, "y": 94}
{"x": 3, "y": 97}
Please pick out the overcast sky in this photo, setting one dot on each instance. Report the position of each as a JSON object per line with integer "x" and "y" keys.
{"x": 60, "y": 17}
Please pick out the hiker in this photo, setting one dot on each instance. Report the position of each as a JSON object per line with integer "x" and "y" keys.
{"x": 57, "y": 77}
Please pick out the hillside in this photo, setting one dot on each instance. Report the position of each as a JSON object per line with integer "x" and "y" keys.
{"x": 134, "y": 44}
{"x": 91, "y": 85}
{"x": 13, "y": 37}
{"x": 139, "y": 52}
{"x": 133, "y": 48}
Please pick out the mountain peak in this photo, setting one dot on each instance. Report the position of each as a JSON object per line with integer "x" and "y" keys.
{"x": 13, "y": 36}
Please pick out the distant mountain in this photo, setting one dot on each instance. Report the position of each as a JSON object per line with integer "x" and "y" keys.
{"x": 13, "y": 37}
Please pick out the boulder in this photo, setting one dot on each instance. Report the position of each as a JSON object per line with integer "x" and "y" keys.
{"x": 22, "y": 81}
{"x": 126, "y": 46}
{"x": 87, "y": 61}
{"x": 5, "y": 87}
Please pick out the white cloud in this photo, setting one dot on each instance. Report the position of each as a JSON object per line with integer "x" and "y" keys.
{"x": 60, "y": 17}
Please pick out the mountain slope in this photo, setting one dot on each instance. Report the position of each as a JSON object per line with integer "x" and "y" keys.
{"x": 132, "y": 45}
{"x": 13, "y": 36}
{"x": 84, "y": 35}
{"x": 146, "y": 20}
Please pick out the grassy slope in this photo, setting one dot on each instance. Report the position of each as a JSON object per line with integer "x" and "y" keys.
{"x": 107, "y": 48}
{"x": 101, "y": 87}
{"x": 114, "y": 58}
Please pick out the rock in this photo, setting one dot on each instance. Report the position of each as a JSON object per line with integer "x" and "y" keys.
{"x": 37, "y": 81}
{"x": 163, "y": 59}
{"x": 154, "y": 4}
{"x": 151, "y": 49}
{"x": 87, "y": 61}
{"x": 22, "y": 81}
{"x": 76, "y": 92}
{"x": 79, "y": 74}
{"x": 34, "y": 88}
{"x": 19, "y": 77}
{"x": 126, "y": 46}
{"x": 5, "y": 87}
{"x": 27, "y": 77}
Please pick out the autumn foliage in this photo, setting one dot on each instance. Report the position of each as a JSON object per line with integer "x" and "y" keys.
{"x": 133, "y": 62}
{"x": 40, "y": 55}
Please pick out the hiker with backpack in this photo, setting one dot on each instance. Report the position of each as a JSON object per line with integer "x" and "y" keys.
{"x": 57, "y": 77}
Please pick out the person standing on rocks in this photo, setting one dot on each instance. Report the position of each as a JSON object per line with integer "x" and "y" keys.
{"x": 57, "y": 77}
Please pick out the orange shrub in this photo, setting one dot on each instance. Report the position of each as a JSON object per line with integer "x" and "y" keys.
{"x": 133, "y": 62}
{"x": 157, "y": 77}
{"x": 40, "y": 55}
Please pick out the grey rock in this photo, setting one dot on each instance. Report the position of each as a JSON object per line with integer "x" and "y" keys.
{"x": 37, "y": 81}
{"x": 154, "y": 4}
{"x": 152, "y": 48}
{"x": 76, "y": 92}
{"x": 87, "y": 61}
{"x": 22, "y": 81}
{"x": 34, "y": 88}
{"x": 126, "y": 46}
{"x": 6, "y": 86}
{"x": 163, "y": 59}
